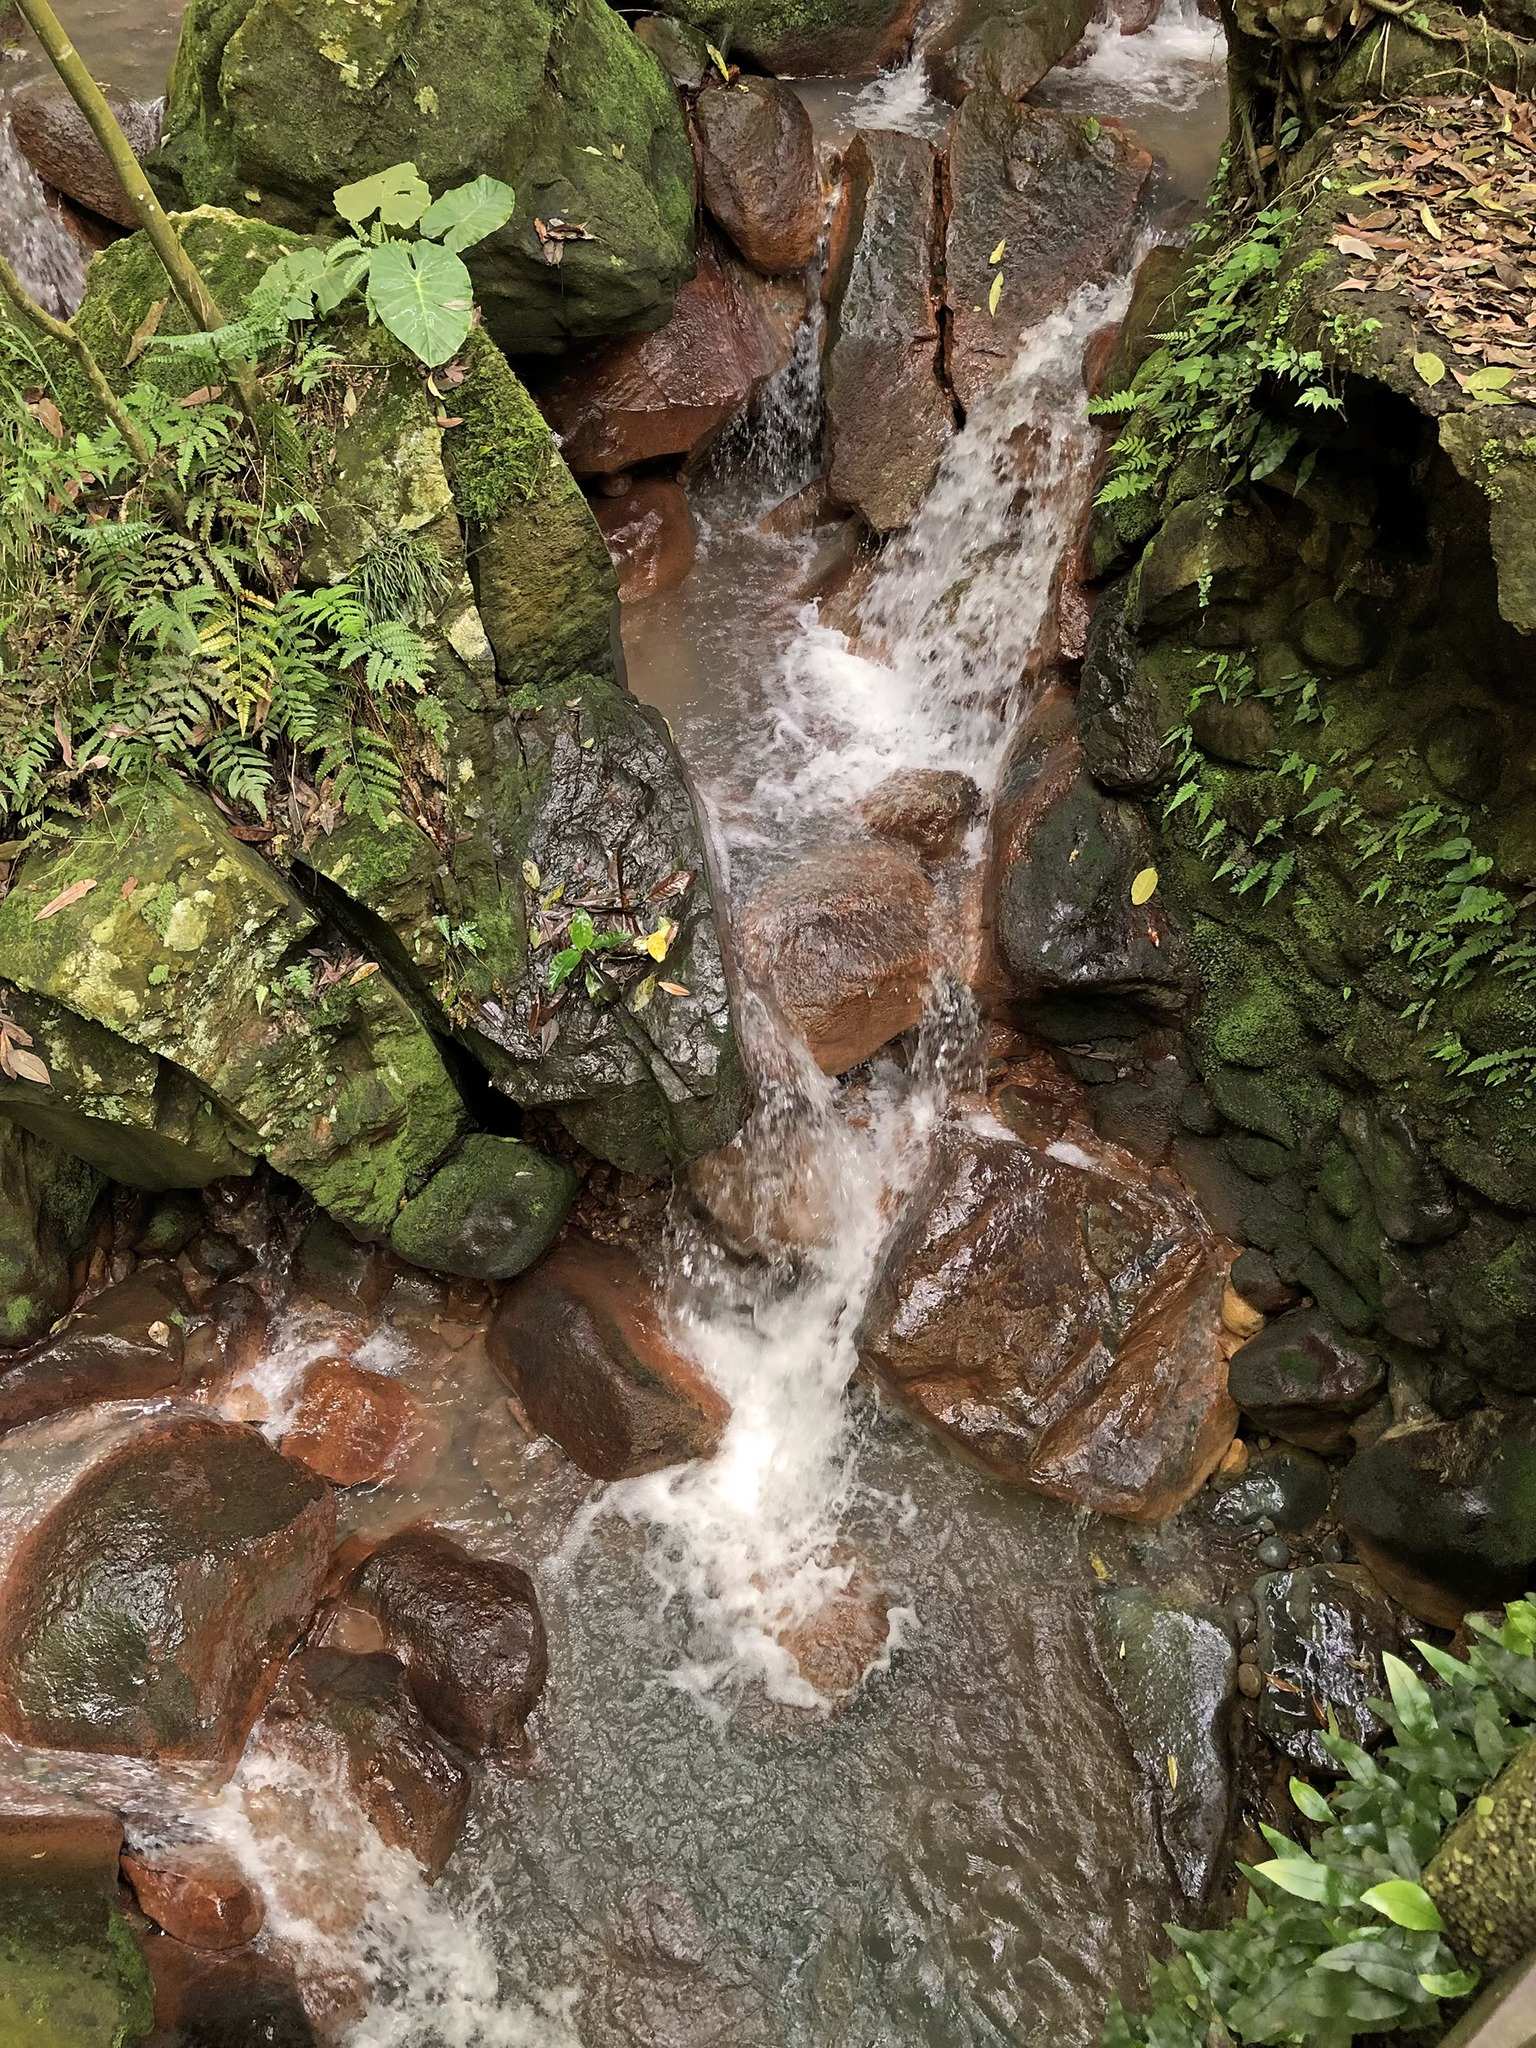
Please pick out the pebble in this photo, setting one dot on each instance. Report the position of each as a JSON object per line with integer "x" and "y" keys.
{"x": 1274, "y": 1554}
{"x": 1250, "y": 1681}
{"x": 1244, "y": 1610}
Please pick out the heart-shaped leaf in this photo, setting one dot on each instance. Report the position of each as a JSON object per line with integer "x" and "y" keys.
{"x": 421, "y": 292}
{"x": 399, "y": 196}
{"x": 469, "y": 213}
{"x": 1429, "y": 367}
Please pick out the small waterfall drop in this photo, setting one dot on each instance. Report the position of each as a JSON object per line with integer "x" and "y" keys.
{"x": 45, "y": 256}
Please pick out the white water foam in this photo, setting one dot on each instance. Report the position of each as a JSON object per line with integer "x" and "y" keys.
{"x": 903, "y": 100}
{"x": 358, "y": 1922}
{"x": 41, "y": 250}
{"x": 958, "y": 608}
{"x": 1169, "y": 65}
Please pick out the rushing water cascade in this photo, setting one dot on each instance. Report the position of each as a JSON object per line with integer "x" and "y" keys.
{"x": 41, "y": 250}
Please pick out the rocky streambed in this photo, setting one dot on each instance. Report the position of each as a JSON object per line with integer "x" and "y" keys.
{"x": 813, "y": 1475}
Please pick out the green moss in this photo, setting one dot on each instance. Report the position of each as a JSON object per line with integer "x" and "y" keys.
{"x": 487, "y": 1212}
{"x": 71, "y": 1975}
{"x": 502, "y": 452}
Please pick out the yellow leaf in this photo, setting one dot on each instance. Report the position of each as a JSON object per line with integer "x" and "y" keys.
{"x": 1173, "y": 1772}
{"x": 1144, "y": 888}
{"x": 1431, "y": 225}
{"x": 656, "y": 943}
{"x": 531, "y": 874}
{"x": 1429, "y": 367}
{"x": 1100, "y": 1568}
{"x": 997, "y": 254}
{"x": 719, "y": 62}
{"x": 644, "y": 992}
{"x": 995, "y": 294}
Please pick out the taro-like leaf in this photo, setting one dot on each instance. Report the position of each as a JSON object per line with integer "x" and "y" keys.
{"x": 421, "y": 292}
{"x": 468, "y": 213}
{"x": 399, "y": 196}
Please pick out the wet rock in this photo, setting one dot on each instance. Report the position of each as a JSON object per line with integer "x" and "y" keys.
{"x": 1006, "y": 47}
{"x": 155, "y": 1567}
{"x": 581, "y": 1343}
{"x": 57, "y": 141}
{"x": 1303, "y": 1380}
{"x": 47, "y": 1200}
{"x": 336, "y": 1713}
{"x": 332, "y": 1269}
{"x": 883, "y": 332}
{"x": 70, "y": 1974}
{"x": 1055, "y": 1314}
{"x": 806, "y": 38}
{"x": 844, "y": 942}
{"x": 467, "y": 1630}
{"x": 488, "y": 1211}
{"x": 1288, "y": 1488}
{"x": 758, "y": 171}
{"x": 1412, "y": 1196}
{"x": 1445, "y": 1513}
{"x": 1122, "y": 720}
{"x": 1172, "y": 1671}
{"x": 1256, "y": 1279}
{"x": 1239, "y": 1318}
{"x": 668, "y": 392}
{"x": 224, "y": 1999}
{"x": 55, "y": 1830}
{"x": 649, "y": 531}
{"x": 769, "y": 1201}
{"x": 682, "y": 52}
{"x": 1064, "y": 858}
{"x": 1320, "y": 1640}
{"x": 928, "y": 809}
{"x": 352, "y": 1426}
{"x": 1480, "y": 1877}
{"x": 196, "y": 1892}
{"x": 1062, "y": 199}
{"x": 272, "y": 107}
{"x": 126, "y": 1343}
{"x": 834, "y": 1647}
{"x": 240, "y": 1321}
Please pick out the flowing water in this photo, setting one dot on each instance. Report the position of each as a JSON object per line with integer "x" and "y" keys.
{"x": 826, "y": 1754}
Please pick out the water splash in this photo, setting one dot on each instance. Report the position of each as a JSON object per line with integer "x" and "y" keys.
{"x": 359, "y": 1924}
{"x": 1170, "y": 65}
{"x": 41, "y": 250}
{"x": 903, "y": 100}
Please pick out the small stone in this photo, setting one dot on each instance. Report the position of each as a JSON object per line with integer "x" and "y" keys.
{"x": 197, "y": 1893}
{"x": 1244, "y": 1610}
{"x": 1250, "y": 1681}
{"x": 351, "y": 1426}
{"x": 1274, "y": 1553}
{"x": 1234, "y": 1461}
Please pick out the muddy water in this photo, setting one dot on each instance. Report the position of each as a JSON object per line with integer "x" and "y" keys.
{"x": 698, "y": 1851}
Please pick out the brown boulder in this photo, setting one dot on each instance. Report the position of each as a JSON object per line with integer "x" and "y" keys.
{"x": 927, "y": 809}
{"x": 1056, "y": 1314}
{"x": 1061, "y": 198}
{"x": 1007, "y": 45}
{"x": 889, "y": 416}
{"x": 649, "y": 531}
{"x": 467, "y": 1630}
{"x": 232, "y": 1998}
{"x": 154, "y": 1567}
{"x": 335, "y": 1713}
{"x": 56, "y": 1830}
{"x": 666, "y": 393}
{"x": 56, "y": 140}
{"x": 580, "y": 1341}
{"x": 758, "y": 170}
{"x": 196, "y": 1892}
{"x": 126, "y": 1343}
{"x": 844, "y": 943}
{"x": 855, "y": 39}
{"x": 352, "y": 1426}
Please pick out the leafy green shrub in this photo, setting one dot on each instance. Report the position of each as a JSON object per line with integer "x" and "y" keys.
{"x": 1342, "y": 1939}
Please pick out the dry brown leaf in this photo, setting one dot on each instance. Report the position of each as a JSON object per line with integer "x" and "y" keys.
{"x": 65, "y": 898}
{"x": 145, "y": 332}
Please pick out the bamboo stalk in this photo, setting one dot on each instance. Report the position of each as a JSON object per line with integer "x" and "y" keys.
{"x": 62, "y": 332}
{"x": 186, "y": 279}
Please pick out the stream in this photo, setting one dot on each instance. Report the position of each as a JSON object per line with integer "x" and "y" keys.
{"x": 947, "y": 1840}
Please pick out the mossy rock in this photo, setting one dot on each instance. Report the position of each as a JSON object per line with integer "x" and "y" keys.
{"x": 803, "y": 37}
{"x": 488, "y": 1211}
{"x": 290, "y": 99}
{"x": 71, "y": 1975}
{"x": 1483, "y": 1875}
{"x": 46, "y": 1202}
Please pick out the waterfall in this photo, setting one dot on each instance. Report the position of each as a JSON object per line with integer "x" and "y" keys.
{"x": 41, "y": 250}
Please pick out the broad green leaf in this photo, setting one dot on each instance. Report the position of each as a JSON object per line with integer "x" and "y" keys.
{"x": 1452, "y": 1669}
{"x": 399, "y": 196}
{"x": 421, "y": 292}
{"x": 346, "y": 267}
{"x": 1308, "y": 1800}
{"x": 468, "y": 213}
{"x": 1404, "y": 1904}
{"x": 1305, "y": 1879}
{"x": 1410, "y": 1695}
{"x": 563, "y": 966}
{"x": 583, "y": 931}
{"x": 1282, "y": 1845}
{"x": 1449, "y": 1983}
{"x": 1429, "y": 367}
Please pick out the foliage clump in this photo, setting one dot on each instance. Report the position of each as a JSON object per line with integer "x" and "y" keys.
{"x": 1341, "y": 1939}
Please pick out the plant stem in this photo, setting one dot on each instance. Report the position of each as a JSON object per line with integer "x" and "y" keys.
{"x": 61, "y": 332}
{"x": 92, "y": 101}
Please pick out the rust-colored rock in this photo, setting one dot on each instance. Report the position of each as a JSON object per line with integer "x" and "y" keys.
{"x": 154, "y": 1568}
{"x": 196, "y": 1892}
{"x": 928, "y": 809}
{"x": 666, "y": 393}
{"x": 229, "y": 1998}
{"x": 57, "y": 141}
{"x": 889, "y": 415}
{"x": 757, "y": 167}
{"x": 125, "y": 1344}
{"x": 649, "y": 531}
{"x": 336, "y": 1712}
{"x": 467, "y": 1630}
{"x": 581, "y": 1343}
{"x": 1056, "y": 1313}
{"x": 71, "y": 1837}
{"x": 352, "y": 1426}
{"x": 1060, "y": 195}
{"x": 844, "y": 943}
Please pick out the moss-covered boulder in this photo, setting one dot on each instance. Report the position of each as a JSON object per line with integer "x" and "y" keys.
{"x": 46, "y": 1200}
{"x": 71, "y": 1975}
{"x": 288, "y": 99}
{"x": 488, "y": 1211}
{"x": 804, "y": 38}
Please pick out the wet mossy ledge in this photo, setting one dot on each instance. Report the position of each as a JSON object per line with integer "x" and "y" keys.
{"x": 349, "y": 981}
